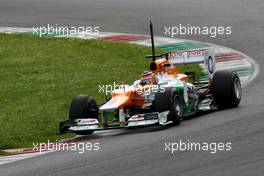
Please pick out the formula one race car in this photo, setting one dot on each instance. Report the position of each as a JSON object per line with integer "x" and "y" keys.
{"x": 161, "y": 96}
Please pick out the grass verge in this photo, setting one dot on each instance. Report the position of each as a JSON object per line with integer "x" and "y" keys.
{"x": 40, "y": 76}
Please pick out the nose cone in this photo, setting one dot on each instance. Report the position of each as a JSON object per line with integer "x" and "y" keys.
{"x": 118, "y": 100}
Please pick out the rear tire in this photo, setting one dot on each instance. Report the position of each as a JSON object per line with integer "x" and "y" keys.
{"x": 83, "y": 107}
{"x": 226, "y": 89}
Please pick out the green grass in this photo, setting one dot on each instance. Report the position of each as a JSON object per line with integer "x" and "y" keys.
{"x": 40, "y": 76}
{"x": 192, "y": 68}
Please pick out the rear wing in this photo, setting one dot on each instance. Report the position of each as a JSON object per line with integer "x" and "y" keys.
{"x": 204, "y": 56}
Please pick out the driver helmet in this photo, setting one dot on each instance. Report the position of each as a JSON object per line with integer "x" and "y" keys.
{"x": 148, "y": 78}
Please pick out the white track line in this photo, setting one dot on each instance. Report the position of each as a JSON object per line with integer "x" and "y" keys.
{"x": 12, "y": 158}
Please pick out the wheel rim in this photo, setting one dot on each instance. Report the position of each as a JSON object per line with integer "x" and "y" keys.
{"x": 237, "y": 87}
{"x": 178, "y": 107}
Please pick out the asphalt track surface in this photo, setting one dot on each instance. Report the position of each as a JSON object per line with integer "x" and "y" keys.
{"x": 141, "y": 152}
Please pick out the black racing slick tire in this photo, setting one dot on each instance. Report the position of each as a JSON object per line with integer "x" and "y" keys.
{"x": 176, "y": 108}
{"x": 82, "y": 107}
{"x": 170, "y": 101}
{"x": 226, "y": 89}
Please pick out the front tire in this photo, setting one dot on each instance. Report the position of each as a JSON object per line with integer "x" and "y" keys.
{"x": 170, "y": 101}
{"x": 83, "y": 107}
{"x": 176, "y": 108}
